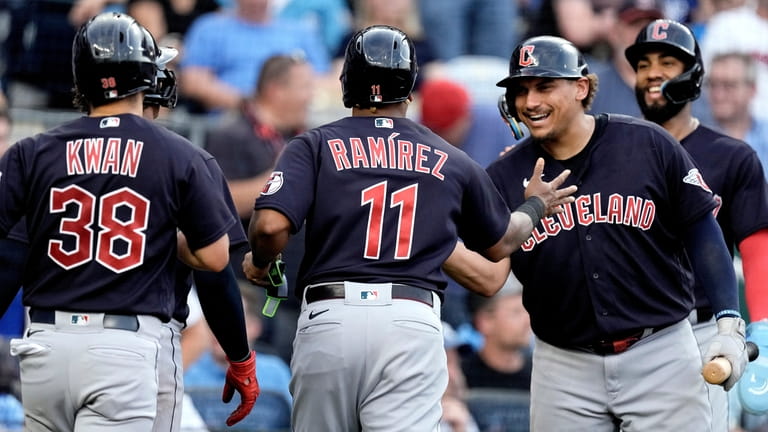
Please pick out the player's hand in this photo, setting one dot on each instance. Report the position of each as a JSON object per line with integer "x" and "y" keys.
{"x": 258, "y": 276}
{"x": 752, "y": 388}
{"x": 729, "y": 343}
{"x": 241, "y": 376}
{"x": 549, "y": 193}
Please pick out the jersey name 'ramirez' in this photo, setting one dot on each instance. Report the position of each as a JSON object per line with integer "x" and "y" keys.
{"x": 91, "y": 156}
{"x": 393, "y": 154}
{"x": 587, "y": 209}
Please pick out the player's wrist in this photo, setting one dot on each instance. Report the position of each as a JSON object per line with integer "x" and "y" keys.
{"x": 533, "y": 207}
{"x": 727, "y": 313}
{"x": 260, "y": 262}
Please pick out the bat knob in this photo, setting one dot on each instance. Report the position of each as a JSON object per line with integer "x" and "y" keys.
{"x": 752, "y": 351}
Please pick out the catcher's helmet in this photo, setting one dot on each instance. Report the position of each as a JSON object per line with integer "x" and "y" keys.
{"x": 379, "y": 67}
{"x": 676, "y": 38}
{"x": 113, "y": 56}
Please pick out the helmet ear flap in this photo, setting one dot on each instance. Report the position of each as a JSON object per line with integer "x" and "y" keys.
{"x": 509, "y": 118}
{"x": 684, "y": 87}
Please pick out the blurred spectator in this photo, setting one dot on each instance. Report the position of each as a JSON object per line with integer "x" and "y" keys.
{"x": 731, "y": 80}
{"x": 224, "y": 52}
{"x": 456, "y": 415}
{"x": 332, "y": 19}
{"x": 470, "y": 27}
{"x": 449, "y": 110}
{"x": 504, "y": 360}
{"x": 742, "y": 30}
{"x": 402, "y": 14}
{"x": 247, "y": 142}
{"x": 169, "y": 17}
{"x": 616, "y": 76}
{"x": 272, "y": 372}
{"x": 39, "y": 47}
{"x": 586, "y": 23}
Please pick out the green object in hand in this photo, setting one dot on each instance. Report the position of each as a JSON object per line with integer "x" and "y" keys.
{"x": 278, "y": 289}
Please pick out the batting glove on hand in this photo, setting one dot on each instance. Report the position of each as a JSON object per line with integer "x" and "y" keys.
{"x": 241, "y": 376}
{"x": 729, "y": 343}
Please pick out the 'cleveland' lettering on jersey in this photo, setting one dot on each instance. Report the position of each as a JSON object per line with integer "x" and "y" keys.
{"x": 393, "y": 154}
{"x": 587, "y": 209}
{"x": 91, "y": 156}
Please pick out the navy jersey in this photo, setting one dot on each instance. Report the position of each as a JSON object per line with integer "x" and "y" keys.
{"x": 103, "y": 198}
{"x": 237, "y": 239}
{"x": 384, "y": 200}
{"x": 734, "y": 173}
{"x": 613, "y": 262}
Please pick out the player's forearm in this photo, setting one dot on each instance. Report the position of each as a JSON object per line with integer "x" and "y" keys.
{"x": 222, "y": 306}
{"x": 472, "y": 271}
{"x": 712, "y": 264}
{"x": 518, "y": 230}
{"x": 268, "y": 234}
{"x": 754, "y": 256}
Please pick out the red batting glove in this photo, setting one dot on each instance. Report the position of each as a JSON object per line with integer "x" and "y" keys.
{"x": 241, "y": 376}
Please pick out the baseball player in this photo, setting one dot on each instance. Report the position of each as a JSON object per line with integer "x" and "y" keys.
{"x": 104, "y": 197}
{"x": 614, "y": 347}
{"x": 670, "y": 72}
{"x": 220, "y": 299}
{"x": 384, "y": 201}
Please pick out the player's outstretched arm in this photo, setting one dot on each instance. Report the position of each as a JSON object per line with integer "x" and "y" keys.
{"x": 474, "y": 272}
{"x": 213, "y": 257}
{"x": 543, "y": 199}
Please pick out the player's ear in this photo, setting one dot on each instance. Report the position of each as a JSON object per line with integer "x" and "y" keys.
{"x": 582, "y": 88}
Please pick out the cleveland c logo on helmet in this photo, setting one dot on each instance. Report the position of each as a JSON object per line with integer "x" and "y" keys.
{"x": 659, "y": 30}
{"x": 526, "y": 56}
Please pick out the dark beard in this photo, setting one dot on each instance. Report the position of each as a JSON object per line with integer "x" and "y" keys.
{"x": 656, "y": 114}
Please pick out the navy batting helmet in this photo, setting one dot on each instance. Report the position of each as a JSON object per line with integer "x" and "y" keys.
{"x": 545, "y": 57}
{"x": 113, "y": 56}
{"x": 677, "y": 39}
{"x": 165, "y": 93}
{"x": 379, "y": 67}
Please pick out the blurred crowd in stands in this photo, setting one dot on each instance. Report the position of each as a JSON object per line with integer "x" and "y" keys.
{"x": 255, "y": 73}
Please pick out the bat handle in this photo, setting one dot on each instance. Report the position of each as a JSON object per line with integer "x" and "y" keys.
{"x": 719, "y": 369}
{"x": 716, "y": 370}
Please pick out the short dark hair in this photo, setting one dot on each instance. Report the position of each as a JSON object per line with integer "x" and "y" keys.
{"x": 276, "y": 68}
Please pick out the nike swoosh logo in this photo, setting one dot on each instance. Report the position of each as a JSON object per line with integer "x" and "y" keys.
{"x": 313, "y": 314}
{"x": 525, "y": 182}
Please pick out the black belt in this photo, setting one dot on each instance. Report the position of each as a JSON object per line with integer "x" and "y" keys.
{"x": 111, "y": 321}
{"x": 620, "y": 344}
{"x": 703, "y": 314}
{"x": 336, "y": 291}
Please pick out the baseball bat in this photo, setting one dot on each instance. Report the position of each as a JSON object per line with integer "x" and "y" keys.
{"x": 719, "y": 369}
